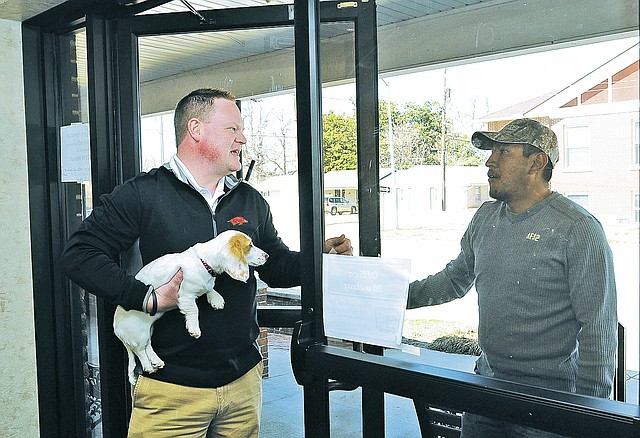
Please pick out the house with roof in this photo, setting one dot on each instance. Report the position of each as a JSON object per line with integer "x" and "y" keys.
{"x": 281, "y": 188}
{"x": 597, "y": 124}
{"x": 418, "y": 193}
{"x": 342, "y": 183}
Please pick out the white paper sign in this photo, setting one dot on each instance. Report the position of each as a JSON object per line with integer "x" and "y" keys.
{"x": 76, "y": 156}
{"x": 364, "y": 298}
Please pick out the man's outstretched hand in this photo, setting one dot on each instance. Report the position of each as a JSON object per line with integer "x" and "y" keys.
{"x": 338, "y": 245}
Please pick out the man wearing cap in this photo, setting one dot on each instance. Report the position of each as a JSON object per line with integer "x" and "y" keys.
{"x": 543, "y": 271}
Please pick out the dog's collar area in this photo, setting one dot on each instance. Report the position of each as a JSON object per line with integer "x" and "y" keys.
{"x": 208, "y": 268}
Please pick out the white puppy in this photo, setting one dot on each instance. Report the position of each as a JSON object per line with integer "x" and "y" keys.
{"x": 231, "y": 252}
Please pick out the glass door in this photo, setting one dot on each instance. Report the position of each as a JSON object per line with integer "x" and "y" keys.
{"x": 253, "y": 55}
{"x": 80, "y": 307}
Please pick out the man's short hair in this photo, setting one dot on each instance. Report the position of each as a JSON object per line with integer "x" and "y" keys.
{"x": 197, "y": 104}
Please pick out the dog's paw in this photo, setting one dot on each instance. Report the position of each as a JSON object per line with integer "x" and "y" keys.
{"x": 216, "y": 301}
{"x": 149, "y": 368}
{"x": 193, "y": 329}
{"x": 157, "y": 364}
{"x": 217, "y": 306}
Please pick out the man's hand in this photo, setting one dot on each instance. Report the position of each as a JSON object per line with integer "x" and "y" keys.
{"x": 338, "y": 245}
{"x": 167, "y": 294}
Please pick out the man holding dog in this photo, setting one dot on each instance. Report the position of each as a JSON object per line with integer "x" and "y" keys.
{"x": 543, "y": 271}
{"x": 210, "y": 386}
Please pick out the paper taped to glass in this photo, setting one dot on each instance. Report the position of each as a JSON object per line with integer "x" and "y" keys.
{"x": 364, "y": 298}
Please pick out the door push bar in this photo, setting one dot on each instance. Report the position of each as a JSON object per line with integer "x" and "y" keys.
{"x": 301, "y": 340}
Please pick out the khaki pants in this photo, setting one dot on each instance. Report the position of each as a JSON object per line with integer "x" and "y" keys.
{"x": 163, "y": 409}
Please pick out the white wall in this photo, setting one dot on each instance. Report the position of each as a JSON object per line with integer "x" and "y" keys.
{"x": 18, "y": 384}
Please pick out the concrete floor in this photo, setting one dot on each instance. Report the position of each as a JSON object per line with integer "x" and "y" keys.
{"x": 282, "y": 412}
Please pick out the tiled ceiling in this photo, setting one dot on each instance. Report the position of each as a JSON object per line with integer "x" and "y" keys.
{"x": 167, "y": 55}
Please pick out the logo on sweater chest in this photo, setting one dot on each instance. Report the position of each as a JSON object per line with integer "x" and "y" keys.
{"x": 238, "y": 220}
{"x": 533, "y": 236}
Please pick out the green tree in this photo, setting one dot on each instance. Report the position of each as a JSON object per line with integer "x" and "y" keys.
{"x": 417, "y": 137}
{"x": 461, "y": 152}
{"x": 416, "y": 133}
{"x": 339, "y": 142}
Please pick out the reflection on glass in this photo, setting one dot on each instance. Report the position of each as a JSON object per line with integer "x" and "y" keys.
{"x": 76, "y": 99}
{"x": 158, "y": 140}
{"x": 268, "y": 110}
{"x": 594, "y": 165}
{"x": 270, "y": 128}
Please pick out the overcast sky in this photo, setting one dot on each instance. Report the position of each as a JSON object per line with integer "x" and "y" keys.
{"x": 484, "y": 87}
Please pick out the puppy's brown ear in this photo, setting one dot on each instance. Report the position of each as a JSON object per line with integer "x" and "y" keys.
{"x": 238, "y": 268}
{"x": 237, "y": 245}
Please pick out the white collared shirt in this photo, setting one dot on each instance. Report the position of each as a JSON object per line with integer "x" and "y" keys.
{"x": 181, "y": 172}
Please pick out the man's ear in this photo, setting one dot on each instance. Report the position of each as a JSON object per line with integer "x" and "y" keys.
{"x": 194, "y": 128}
{"x": 540, "y": 161}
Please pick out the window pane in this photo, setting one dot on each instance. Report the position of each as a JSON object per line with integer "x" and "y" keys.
{"x": 581, "y": 200}
{"x": 76, "y": 103}
{"x": 577, "y": 158}
{"x": 577, "y": 147}
{"x": 636, "y": 143}
{"x": 158, "y": 140}
{"x": 486, "y": 95}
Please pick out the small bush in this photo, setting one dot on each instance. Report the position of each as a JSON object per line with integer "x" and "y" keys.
{"x": 456, "y": 344}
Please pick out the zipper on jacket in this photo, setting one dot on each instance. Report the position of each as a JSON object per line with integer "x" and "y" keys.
{"x": 231, "y": 183}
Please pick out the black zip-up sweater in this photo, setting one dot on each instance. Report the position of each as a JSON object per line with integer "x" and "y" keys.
{"x": 168, "y": 216}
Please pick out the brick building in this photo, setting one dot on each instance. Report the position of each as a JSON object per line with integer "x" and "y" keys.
{"x": 596, "y": 120}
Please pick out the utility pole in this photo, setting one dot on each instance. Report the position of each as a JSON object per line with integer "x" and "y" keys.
{"x": 443, "y": 156}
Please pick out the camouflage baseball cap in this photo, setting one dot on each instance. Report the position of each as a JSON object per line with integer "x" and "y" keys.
{"x": 521, "y": 131}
